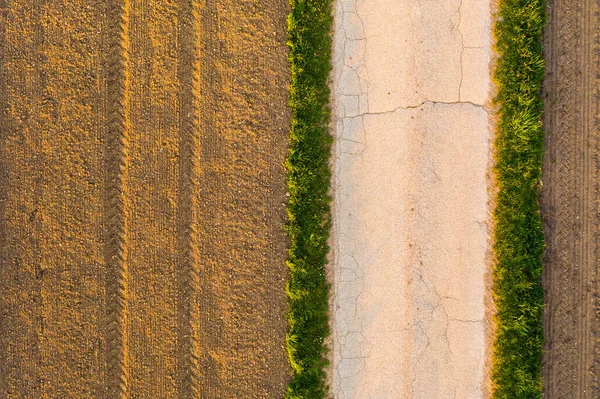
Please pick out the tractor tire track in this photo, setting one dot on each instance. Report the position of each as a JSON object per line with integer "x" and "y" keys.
{"x": 189, "y": 274}
{"x": 118, "y": 130}
{"x": 210, "y": 322}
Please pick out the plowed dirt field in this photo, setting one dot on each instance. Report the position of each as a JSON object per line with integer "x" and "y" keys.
{"x": 570, "y": 200}
{"x": 142, "y": 195}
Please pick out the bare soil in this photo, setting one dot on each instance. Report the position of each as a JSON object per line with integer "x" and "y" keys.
{"x": 142, "y": 194}
{"x": 570, "y": 200}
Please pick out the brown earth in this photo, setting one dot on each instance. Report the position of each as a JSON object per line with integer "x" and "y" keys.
{"x": 142, "y": 196}
{"x": 571, "y": 200}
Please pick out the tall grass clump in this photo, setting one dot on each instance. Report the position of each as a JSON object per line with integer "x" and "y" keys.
{"x": 518, "y": 237}
{"x": 308, "y": 185}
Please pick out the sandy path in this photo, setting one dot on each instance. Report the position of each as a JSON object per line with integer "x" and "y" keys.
{"x": 570, "y": 198}
{"x": 410, "y": 240}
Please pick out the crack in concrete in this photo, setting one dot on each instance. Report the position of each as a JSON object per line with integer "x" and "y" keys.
{"x": 462, "y": 51}
{"x": 419, "y": 105}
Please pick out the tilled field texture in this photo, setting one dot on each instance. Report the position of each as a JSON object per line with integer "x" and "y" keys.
{"x": 142, "y": 195}
{"x": 570, "y": 198}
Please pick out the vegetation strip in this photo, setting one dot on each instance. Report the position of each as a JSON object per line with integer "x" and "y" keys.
{"x": 308, "y": 185}
{"x": 518, "y": 237}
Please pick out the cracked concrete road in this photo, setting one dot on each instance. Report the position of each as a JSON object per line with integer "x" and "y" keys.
{"x": 411, "y": 235}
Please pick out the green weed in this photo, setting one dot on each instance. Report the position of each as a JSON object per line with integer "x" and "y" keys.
{"x": 308, "y": 206}
{"x": 519, "y": 240}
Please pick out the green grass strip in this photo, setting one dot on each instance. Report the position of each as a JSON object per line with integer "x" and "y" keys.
{"x": 519, "y": 240}
{"x": 308, "y": 205}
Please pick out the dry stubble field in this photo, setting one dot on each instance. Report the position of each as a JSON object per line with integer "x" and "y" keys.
{"x": 142, "y": 195}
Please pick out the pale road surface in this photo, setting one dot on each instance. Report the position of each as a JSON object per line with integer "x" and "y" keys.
{"x": 411, "y": 233}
